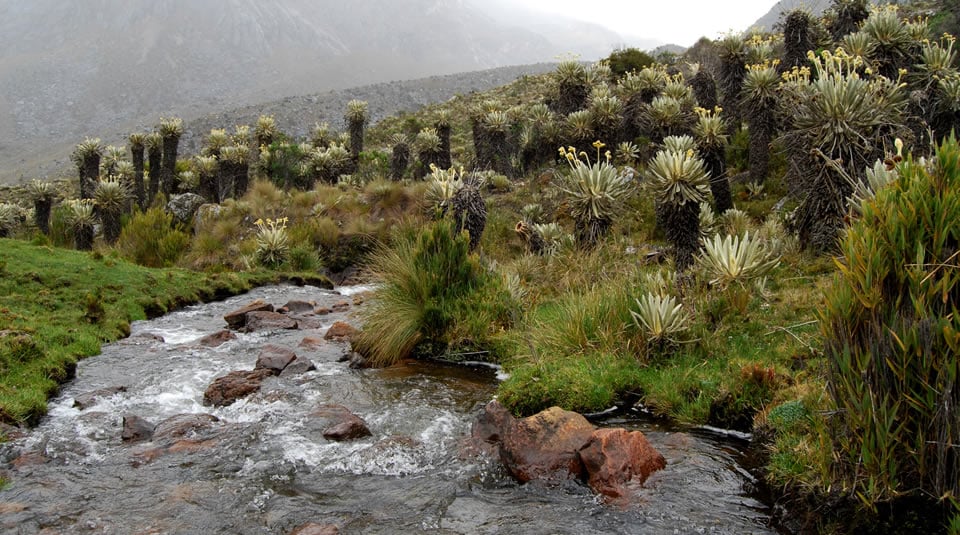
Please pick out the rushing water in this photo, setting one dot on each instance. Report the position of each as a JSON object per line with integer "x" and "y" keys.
{"x": 263, "y": 469}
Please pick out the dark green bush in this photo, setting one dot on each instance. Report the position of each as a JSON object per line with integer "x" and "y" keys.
{"x": 433, "y": 296}
{"x": 151, "y": 240}
{"x": 892, "y": 335}
{"x": 624, "y": 60}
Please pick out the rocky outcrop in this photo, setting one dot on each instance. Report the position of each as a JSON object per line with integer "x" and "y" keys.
{"x": 183, "y": 207}
{"x": 336, "y": 422}
{"x": 225, "y": 390}
{"x": 558, "y": 444}
{"x": 237, "y": 319}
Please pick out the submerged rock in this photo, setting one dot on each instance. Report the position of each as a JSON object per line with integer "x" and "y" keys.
{"x": 89, "y": 399}
{"x": 181, "y": 425}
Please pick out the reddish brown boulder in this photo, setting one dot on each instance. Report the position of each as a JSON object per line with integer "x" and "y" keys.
{"x": 336, "y": 422}
{"x": 136, "y": 429}
{"x": 340, "y": 331}
{"x": 217, "y": 339}
{"x": 315, "y": 529}
{"x": 322, "y": 311}
{"x": 181, "y": 425}
{"x": 268, "y": 321}
{"x": 340, "y": 306}
{"x": 274, "y": 358}
{"x": 237, "y": 319}
{"x": 225, "y": 390}
{"x": 545, "y": 445}
{"x": 615, "y": 458}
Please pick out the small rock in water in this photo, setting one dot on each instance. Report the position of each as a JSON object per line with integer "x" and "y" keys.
{"x": 336, "y": 422}
{"x": 136, "y": 429}
{"x": 340, "y": 331}
{"x": 89, "y": 399}
{"x": 298, "y": 366}
{"x": 340, "y": 306}
{"x": 274, "y": 358}
{"x": 322, "y": 311}
{"x": 311, "y": 342}
{"x": 225, "y": 390}
{"x": 268, "y": 321}
{"x": 299, "y": 307}
{"x": 237, "y": 319}
{"x": 217, "y": 339}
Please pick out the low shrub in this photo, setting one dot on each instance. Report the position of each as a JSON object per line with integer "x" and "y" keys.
{"x": 151, "y": 239}
{"x": 433, "y": 296}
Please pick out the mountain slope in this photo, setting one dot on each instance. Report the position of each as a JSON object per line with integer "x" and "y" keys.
{"x": 76, "y": 69}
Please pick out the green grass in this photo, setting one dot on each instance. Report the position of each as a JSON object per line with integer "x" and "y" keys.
{"x": 58, "y": 306}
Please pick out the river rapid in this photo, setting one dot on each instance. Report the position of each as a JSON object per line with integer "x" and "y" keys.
{"x": 262, "y": 469}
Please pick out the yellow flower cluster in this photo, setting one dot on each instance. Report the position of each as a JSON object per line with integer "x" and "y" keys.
{"x": 271, "y": 224}
{"x": 574, "y": 158}
{"x": 705, "y": 113}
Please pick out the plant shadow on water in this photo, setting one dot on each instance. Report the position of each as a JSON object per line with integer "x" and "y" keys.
{"x": 262, "y": 469}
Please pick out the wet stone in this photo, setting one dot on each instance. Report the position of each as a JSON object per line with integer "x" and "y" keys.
{"x": 136, "y": 429}
{"x": 274, "y": 358}
{"x": 268, "y": 321}
{"x": 322, "y": 311}
{"x": 340, "y": 306}
{"x": 299, "y": 307}
{"x": 237, "y": 319}
{"x": 225, "y": 390}
{"x": 89, "y": 399}
{"x": 217, "y": 339}
{"x": 340, "y": 331}
{"x": 182, "y": 425}
{"x": 298, "y": 366}
{"x": 337, "y": 423}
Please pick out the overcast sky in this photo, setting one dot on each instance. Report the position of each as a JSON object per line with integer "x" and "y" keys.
{"x": 680, "y": 22}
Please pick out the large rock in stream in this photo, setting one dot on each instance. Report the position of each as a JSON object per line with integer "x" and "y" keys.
{"x": 237, "y": 319}
{"x": 336, "y": 422}
{"x": 559, "y": 444}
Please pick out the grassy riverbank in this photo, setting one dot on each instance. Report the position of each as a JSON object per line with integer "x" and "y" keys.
{"x": 57, "y": 306}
